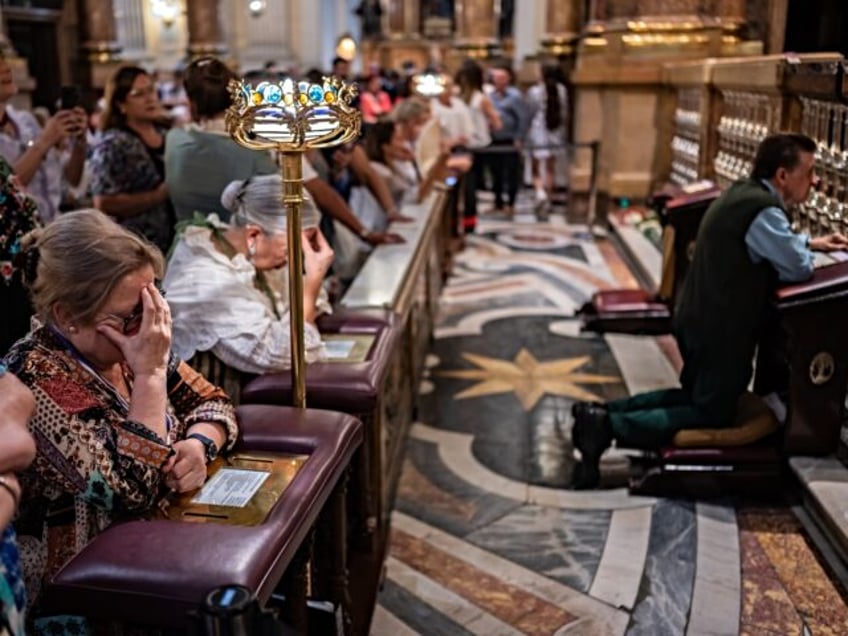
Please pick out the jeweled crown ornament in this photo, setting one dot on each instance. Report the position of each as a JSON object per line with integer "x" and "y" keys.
{"x": 293, "y": 115}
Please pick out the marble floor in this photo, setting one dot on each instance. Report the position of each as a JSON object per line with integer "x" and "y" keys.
{"x": 486, "y": 539}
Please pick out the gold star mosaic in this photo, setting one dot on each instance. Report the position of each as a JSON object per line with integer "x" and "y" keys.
{"x": 528, "y": 377}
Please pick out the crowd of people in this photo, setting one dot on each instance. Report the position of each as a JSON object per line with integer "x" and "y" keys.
{"x": 113, "y": 396}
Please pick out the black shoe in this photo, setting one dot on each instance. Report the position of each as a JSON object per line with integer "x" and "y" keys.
{"x": 592, "y": 435}
{"x": 579, "y": 409}
{"x": 585, "y": 476}
{"x": 593, "y": 429}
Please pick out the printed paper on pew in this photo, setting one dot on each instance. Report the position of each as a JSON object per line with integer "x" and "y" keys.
{"x": 338, "y": 349}
{"x": 231, "y": 487}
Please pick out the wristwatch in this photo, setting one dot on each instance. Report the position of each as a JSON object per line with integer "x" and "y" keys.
{"x": 210, "y": 450}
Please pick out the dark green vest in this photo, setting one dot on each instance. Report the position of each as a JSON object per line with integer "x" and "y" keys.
{"x": 724, "y": 296}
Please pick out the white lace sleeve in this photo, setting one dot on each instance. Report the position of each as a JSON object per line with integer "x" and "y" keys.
{"x": 267, "y": 350}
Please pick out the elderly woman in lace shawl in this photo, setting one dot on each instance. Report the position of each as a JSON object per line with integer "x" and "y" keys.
{"x": 227, "y": 286}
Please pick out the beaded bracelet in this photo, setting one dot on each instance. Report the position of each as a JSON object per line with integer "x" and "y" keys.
{"x": 4, "y": 483}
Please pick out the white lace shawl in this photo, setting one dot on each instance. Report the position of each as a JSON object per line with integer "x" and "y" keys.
{"x": 216, "y": 307}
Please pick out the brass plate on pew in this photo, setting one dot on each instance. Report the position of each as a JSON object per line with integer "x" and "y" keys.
{"x": 347, "y": 347}
{"x": 275, "y": 471}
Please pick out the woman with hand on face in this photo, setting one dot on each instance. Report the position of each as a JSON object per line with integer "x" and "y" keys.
{"x": 128, "y": 164}
{"x": 120, "y": 421}
{"x": 228, "y": 288}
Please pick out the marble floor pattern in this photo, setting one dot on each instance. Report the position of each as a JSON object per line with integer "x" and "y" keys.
{"x": 486, "y": 539}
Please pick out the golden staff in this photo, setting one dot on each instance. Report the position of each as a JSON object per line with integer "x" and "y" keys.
{"x": 290, "y": 118}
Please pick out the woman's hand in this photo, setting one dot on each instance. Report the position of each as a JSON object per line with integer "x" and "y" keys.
{"x": 185, "y": 470}
{"x": 317, "y": 258}
{"x": 146, "y": 351}
{"x": 383, "y": 238}
{"x": 59, "y": 126}
{"x": 17, "y": 405}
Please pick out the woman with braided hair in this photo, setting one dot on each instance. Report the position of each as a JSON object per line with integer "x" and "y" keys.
{"x": 228, "y": 287}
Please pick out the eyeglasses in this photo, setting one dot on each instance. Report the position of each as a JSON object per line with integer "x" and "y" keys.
{"x": 132, "y": 321}
{"x": 142, "y": 92}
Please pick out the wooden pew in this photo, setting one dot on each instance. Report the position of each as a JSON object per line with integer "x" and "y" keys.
{"x": 155, "y": 572}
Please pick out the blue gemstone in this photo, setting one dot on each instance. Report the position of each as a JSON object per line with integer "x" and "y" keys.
{"x": 272, "y": 93}
{"x": 316, "y": 93}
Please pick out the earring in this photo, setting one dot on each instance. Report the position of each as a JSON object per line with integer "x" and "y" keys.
{"x": 72, "y": 329}
{"x": 251, "y": 250}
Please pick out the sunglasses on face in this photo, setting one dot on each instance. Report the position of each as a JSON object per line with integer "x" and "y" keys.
{"x": 132, "y": 321}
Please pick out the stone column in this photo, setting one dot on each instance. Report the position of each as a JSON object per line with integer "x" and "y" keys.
{"x": 402, "y": 18}
{"x": 563, "y": 27}
{"x": 731, "y": 16}
{"x": 476, "y": 28}
{"x": 101, "y": 51}
{"x": 777, "y": 14}
{"x": 204, "y": 28}
{"x": 402, "y": 25}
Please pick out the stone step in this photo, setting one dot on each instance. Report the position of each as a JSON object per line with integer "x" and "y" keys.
{"x": 824, "y": 481}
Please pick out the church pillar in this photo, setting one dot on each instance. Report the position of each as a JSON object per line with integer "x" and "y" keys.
{"x": 402, "y": 24}
{"x": 476, "y": 28}
{"x": 731, "y": 16}
{"x": 563, "y": 27}
{"x": 778, "y": 11}
{"x": 102, "y": 53}
{"x": 204, "y": 28}
{"x": 403, "y": 18}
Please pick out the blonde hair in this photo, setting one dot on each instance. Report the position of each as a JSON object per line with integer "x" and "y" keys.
{"x": 79, "y": 258}
{"x": 410, "y": 109}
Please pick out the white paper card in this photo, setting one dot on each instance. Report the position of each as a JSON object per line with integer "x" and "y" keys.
{"x": 231, "y": 487}
{"x": 339, "y": 349}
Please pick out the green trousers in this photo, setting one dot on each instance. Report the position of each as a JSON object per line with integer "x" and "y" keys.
{"x": 712, "y": 379}
{"x": 650, "y": 420}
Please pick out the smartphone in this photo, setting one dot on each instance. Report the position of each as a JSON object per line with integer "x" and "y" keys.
{"x": 71, "y": 97}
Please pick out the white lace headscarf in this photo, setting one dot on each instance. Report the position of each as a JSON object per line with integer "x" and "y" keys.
{"x": 258, "y": 200}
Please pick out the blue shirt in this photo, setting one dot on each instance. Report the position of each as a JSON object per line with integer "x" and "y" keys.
{"x": 770, "y": 238}
{"x": 515, "y": 116}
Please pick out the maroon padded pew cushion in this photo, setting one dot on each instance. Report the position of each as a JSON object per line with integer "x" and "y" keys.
{"x": 154, "y": 572}
{"x": 627, "y": 300}
{"x": 348, "y": 387}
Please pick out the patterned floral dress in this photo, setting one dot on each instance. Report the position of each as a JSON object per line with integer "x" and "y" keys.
{"x": 121, "y": 163}
{"x": 93, "y": 465}
{"x": 18, "y": 215}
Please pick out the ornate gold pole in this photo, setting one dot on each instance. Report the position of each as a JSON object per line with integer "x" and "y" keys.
{"x": 292, "y": 117}
{"x": 292, "y": 169}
